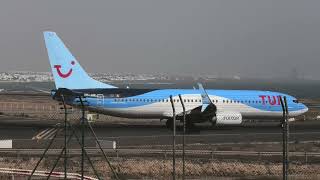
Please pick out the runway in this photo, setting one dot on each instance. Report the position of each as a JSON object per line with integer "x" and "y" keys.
{"x": 132, "y": 134}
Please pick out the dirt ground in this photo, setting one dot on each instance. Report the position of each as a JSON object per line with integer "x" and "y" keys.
{"x": 162, "y": 168}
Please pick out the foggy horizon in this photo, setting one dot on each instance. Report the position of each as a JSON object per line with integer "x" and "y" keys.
{"x": 258, "y": 39}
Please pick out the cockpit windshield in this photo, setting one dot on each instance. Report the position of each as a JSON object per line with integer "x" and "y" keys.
{"x": 295, "y": 101}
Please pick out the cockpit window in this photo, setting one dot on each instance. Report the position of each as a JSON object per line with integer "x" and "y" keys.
{"x": 295, "y": 101}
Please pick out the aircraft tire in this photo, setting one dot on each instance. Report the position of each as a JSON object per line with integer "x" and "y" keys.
{"x": 189, "y": 126}
{"x": 169, "y": 124}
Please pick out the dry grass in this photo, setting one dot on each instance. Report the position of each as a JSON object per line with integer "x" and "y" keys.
{"x": 161, "y": 169}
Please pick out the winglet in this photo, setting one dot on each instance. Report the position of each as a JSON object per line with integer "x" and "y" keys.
{"x": 206, "y": 101}
{"x": 204, "y": 95}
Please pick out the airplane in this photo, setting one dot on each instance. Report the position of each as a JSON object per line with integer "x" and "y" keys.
{"x": 220, "y": 107}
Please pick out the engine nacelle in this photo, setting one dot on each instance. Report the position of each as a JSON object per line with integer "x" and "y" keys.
{"x": 228, "y": 118}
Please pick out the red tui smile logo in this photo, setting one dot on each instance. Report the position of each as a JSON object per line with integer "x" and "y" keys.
{"x": 58, "y": 67}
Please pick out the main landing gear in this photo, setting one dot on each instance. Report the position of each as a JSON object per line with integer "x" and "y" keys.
{"x": 189, "y": 125}
{"x": 169, "y": 124}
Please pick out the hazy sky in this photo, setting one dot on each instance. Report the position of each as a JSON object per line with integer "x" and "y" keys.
{"x": 246, "y": 37}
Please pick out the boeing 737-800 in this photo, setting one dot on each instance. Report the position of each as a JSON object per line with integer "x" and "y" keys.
{"x": 221, "y": 107}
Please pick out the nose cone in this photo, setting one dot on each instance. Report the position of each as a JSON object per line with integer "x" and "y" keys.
{"x": 304, "y": 108}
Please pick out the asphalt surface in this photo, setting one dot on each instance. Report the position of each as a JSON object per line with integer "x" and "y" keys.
{"x": 131, "y": 134}
{"x": 314, "y": 157}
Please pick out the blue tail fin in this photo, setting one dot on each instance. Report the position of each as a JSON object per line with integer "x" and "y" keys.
{"x": 66, "y": 70}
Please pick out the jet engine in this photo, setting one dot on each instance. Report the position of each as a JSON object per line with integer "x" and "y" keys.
{"x": 227, "y": 118}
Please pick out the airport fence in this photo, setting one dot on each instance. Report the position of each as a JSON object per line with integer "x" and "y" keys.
{"x": 254, "y": 159}
{"x": 152, "y": 157}
{"x": 207, "y": 156}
